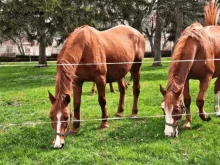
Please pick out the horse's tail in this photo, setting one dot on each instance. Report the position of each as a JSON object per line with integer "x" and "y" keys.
{"x": 211, "y": 12}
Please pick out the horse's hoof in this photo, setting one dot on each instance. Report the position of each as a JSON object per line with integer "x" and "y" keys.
{"x": 72, "y": 131}
{"x": 133, "y": 115}
{"x": 186, "y": 127}
{"x": 208, "y": 118}
{"x": 205, "y": 117}
{"x": 117, "y": 114}
{"x": 103, "y": 126}
{"x": 217, "y": 114}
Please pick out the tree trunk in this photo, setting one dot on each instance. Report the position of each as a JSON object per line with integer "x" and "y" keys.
{"x": 157, "y": 41}
{"x": 21, "y": 48}
{"x": 179, "y": 19}
{"x": 42, "y": 52}
{"x": 151, "y": 45}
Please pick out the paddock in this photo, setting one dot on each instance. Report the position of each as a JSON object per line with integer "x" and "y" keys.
{"x": 25, "y": 127}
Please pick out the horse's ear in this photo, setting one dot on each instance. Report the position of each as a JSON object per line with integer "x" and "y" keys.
{"x": 67, "y": 99}
{"x": 51, "y": 97}
{"x": 162, "y": 91}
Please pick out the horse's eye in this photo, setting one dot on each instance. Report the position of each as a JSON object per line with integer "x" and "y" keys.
{"x": 175, "y": 110}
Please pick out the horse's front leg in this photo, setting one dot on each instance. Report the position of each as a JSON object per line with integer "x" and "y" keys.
{"x": 217, "y": 91}
{"x": 204, "y": 83}
{"x": 122, "y": 87}
{"x": 187, "y": 102}
{"x": 101, "y": 84}
{"x": 77, "y": 92}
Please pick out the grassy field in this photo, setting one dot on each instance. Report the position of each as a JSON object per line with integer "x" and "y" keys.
{"x": 26, "y": 132}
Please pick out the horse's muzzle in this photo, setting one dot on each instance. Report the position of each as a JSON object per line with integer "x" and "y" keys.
{"x": 60, "y": 146}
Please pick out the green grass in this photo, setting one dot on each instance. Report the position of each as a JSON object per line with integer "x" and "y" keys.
{"x": 24, "y": 99}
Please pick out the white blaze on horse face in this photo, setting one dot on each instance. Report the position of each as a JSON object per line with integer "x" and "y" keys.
{"x": 217, "y": 110}
{"x": 57, "y": 143}
{"x": 169, "y": 131}
{"x": 162, "y": 105}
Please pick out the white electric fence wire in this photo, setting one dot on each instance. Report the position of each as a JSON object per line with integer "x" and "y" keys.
{"x": 100, "y": 63}
{"x": 116, "y": 118}
{"x": 91, "y": 120}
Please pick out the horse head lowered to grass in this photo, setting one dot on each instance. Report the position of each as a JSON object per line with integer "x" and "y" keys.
{"x": 194, "y": 57}
{"x": 98, "y": 56}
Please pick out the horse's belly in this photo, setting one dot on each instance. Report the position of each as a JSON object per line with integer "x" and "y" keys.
{"x": 197, "y": 72}
{"x": 116, "y": 72}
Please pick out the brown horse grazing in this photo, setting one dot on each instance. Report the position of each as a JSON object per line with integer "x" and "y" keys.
{"x": 101, "y": 57}
{"x": 198, "y": 46}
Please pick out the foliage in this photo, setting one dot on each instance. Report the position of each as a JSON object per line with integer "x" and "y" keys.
{"x": 45, "y": 20}
{"x": 24, "y": 99}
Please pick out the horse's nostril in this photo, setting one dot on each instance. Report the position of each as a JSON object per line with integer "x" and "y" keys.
{"x": 174, "y": 134}
{"x": 58, "y": 146}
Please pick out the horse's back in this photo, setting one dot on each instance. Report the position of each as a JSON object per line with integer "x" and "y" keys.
{"x": 129, "y": 42}
{"x": 208, "y": 38}
{"x": 214, "y": 34}
{"x": 124, "y": 45}
{"x": 120, "y": 46}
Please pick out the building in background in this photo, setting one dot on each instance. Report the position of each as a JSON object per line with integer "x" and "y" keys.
{"x": 9, "y": 49}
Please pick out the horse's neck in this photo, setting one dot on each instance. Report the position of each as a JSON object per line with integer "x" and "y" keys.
{"x": 182, "y": 61}
{"x": 64, "y": 78}
{"x": 178, "y": 73}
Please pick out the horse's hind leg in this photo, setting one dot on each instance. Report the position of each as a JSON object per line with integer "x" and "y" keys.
{"x": 122, "y": 87}
{"x": 204, "y": 83}
{"x": 135, "y": 74}
{"x": 111, "y": 88}
{"x": 217, "y": 91}
{"x": 77, "y": 92}
{"x": 102, "y": 102}
{"x": 93, "y": 89}
{"x": 187, "y": 102}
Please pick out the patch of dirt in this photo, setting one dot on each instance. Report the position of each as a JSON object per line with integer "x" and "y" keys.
{"x": 13, "y": 103}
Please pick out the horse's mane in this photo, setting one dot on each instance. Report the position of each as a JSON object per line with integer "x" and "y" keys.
{"x": 64, "y": 78}
{"x": 211, "y": 12}
{"x": 68, "y": 45}
{"x": 195, "y": 31}
{"x": 64, "y": 75}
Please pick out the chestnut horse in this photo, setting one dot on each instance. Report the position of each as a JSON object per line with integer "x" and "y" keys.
{"x": 98, "y": 56}
{"x": 197, "y": 48}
